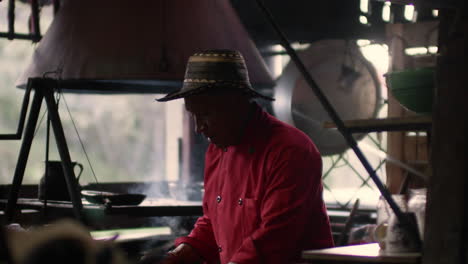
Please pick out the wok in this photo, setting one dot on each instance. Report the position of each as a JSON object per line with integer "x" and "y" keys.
{"x": 112, "y": 198}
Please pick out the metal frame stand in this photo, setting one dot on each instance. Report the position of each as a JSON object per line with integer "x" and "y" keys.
{"x": 406, "y": 222}
{"x": 44, "y": 90}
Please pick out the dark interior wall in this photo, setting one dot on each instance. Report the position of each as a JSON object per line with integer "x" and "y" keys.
{"x": 308, "y": 21}
{"x": 305, "y": 21}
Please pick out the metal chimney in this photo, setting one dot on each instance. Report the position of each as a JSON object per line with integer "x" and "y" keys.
{"x": 115, "y": 46}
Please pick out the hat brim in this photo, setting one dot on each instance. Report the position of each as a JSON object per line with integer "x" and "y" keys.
{"x": 205, "y": 88}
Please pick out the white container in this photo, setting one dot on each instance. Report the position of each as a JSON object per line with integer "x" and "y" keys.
{"x": 398, "y": 239}
{"x": 417, "y": 205}
{"x": 384, "y": 211}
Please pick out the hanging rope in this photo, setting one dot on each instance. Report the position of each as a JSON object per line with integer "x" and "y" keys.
{"x": 79, "y": 138}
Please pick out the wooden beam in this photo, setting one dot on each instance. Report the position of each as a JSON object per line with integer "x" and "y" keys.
{"x": 408, "y": 123}
{"x": 395, "y": 140}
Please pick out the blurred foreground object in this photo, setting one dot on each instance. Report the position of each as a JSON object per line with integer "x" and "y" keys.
{"x": 65, "y": 241}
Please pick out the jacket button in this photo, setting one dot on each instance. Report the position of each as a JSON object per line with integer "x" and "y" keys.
{"x": 220, "y": 249}
{"x": 240, "y": 201}
{"x": 218, "y": 199}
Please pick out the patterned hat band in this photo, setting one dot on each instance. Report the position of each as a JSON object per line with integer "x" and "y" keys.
{"x": 214, "y": 68}
{"x": 216, "y": 72}
{"x": 219, "y": 83}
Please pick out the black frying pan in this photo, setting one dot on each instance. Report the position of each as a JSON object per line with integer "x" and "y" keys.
{"x": 112, "y": 198}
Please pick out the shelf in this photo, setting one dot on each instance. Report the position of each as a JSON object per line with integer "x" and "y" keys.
{"x": 411, "y": 123}
{"x": 149, "y": 207}
{"x": 365, "y": 253}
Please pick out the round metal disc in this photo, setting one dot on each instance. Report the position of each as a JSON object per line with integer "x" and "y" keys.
{"x": 346, "y": 78}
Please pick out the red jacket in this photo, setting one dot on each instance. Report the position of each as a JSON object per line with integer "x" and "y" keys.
{"x": 263, "y": 198}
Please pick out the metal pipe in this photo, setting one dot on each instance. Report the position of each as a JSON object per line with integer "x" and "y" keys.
{"x": 23, "y": 156}
{"x": 413, "y": 230}
{"x": 35, "y": 24}
{"x": 56, "y": 4}
{"x": 11, "y": 19}
{"x": 12, "y": 36}
{"x": 46, "y": 170}
{"x": 46, "y": 86}
{"x": 43, "y": 88}
{"x": 24, "y": 110}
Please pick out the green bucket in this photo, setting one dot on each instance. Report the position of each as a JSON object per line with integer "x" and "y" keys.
{"x": 413, "y": 88}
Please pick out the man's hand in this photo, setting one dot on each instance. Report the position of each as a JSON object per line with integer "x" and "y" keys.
{"x": 183, "y": 254}
{"x": 172, "y": 259}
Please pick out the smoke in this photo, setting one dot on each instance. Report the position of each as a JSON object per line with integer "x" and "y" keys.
{"x": 166, "y": 193}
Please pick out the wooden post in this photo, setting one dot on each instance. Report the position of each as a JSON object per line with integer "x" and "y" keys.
{"x": 410, "y": 150}
{"x": 395, "y": 143}
{"x": 446, "y": 236}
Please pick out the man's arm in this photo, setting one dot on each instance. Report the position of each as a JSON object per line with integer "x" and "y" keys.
{"x": 202, "y": 240}
{"x": 183, "y": 253}
{"x": 199, "y": 245}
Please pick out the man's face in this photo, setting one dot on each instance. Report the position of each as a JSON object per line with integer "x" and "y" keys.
{"x": 215, "y": 117}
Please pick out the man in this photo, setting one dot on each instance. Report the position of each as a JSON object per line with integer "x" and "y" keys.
{"x": 263, "y": 190}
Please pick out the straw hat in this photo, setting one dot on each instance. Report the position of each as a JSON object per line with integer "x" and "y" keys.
{"x": 213, "y": 69}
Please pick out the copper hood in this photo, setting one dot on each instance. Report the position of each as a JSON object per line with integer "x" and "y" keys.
{"x": 112, "y": 46}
